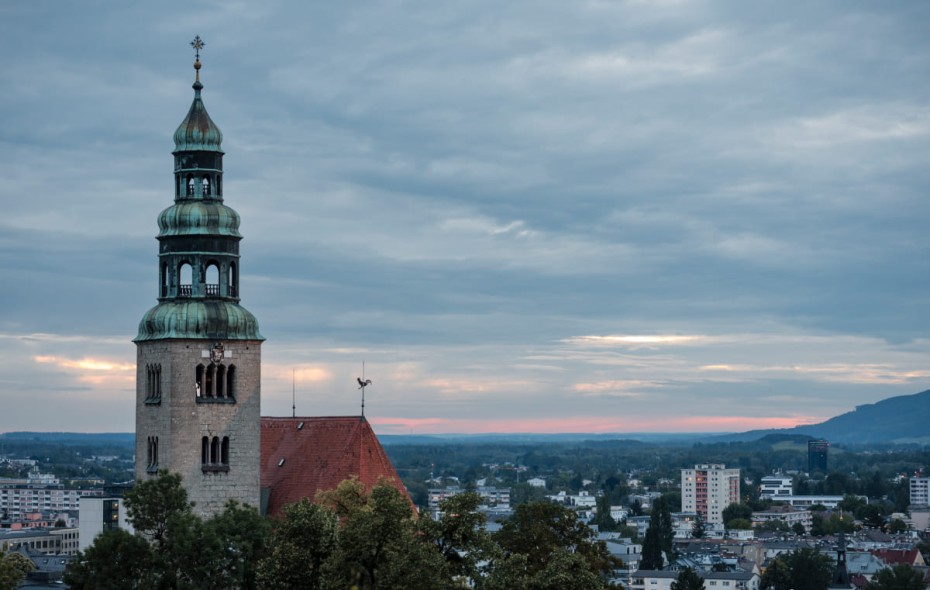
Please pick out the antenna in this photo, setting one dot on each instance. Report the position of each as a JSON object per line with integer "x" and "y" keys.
{"x": 293, "y": 393}
{"x": 362, "y": 384}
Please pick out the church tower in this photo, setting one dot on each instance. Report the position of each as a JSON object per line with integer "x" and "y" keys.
{"x": 198, "y": 352}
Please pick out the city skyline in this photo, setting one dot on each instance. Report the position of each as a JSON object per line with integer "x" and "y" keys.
{"x": 589, "y": 217}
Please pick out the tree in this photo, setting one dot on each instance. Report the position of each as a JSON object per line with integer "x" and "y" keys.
{"x": 116, "y": 560}
{"x": 809, "y": 569}
{"x": 798, "y": 529}
{"x": 243, "y": 535}
{"x": 303, "y": 539}
{"x": 540, "y": 530}
{"x": 378, "y": 545}
{"x": 602, "y": 519}
{"x": 739, "y": 524}
{"x": 698, "y": 530}
{"x": 899, "y": 577}
{"x": 173, "y": 548}
{"x": 688, "y": 580}
{"x": 14, "y": 567}
{"x": 564, "y": 571}
{"x": 460, "y": 535}
{"x": 736, "y": 510}
{"x": 777, "y": 576}
{"x": 151, "y": 504}
{"x": 659, "y": 536}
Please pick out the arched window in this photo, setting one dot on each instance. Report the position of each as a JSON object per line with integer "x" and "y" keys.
{"x": 215, "y": 450}
{"x": 212, "y": 277}
{"x": 233, "y": 280}
{"x": 206, "y": 185}
{"x": 204, "y": 450}
{"x": 190, "y": 185}
{"x": 219, "y": 186}
{"x": 152, "y": 454}
{"x": 209, "y": 382}
{"x": 220, "y": 381}
{"x": 199, "y": 381}
{"x": 185, "y": 279}
{"x": 224, "y": 451}
{"x": 231, "y": 382}
{"x": 158, "y": 381}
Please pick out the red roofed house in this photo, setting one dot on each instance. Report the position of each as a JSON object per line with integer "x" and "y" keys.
{"x": 910, "y": 557}
{"x": 300, "y": 456}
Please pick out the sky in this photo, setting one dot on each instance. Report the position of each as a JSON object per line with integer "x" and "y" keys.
{"x": 524, "y": 216}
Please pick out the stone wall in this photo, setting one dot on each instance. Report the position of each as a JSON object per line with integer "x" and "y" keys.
{"x": 180, "y": 419}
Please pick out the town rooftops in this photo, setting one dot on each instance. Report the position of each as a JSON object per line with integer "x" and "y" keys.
{"x": 301, "y": 456}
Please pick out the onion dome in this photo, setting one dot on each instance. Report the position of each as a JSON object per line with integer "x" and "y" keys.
{"x": 197, "y": 132}
{"x": 198, "y": 319}
{"x": 198, "y": 218}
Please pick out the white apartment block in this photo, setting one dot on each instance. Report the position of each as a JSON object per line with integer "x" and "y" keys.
{"x": 98, "y": 515}
{"x": 920, "y": 491}
{"x": 787, "y": 514}
{"x": 708, "y": 489}
{"x": 775, "y": 487}
{"x": 17, "y": 500}
{"x": 489, "y": 494}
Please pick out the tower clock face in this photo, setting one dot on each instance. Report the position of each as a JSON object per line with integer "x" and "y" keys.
{"x": 217, "y": 352}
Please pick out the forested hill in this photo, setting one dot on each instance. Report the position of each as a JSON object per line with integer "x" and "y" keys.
{"x": 901, "y": 419}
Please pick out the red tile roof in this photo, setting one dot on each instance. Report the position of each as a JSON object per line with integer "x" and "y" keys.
{"x": 301, "y": 456}
{"x": 896, "y": 556}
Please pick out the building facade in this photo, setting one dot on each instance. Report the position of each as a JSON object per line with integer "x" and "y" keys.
{"x": 39, "y": 493}
{"x": 775, "y": 487}
{"x": 101, "y": 514}
{"x": 920, "y": 491}
{"x": 198, "y": 362}
{"x": 817, "y": 454}
{"x": 708, "y": 489}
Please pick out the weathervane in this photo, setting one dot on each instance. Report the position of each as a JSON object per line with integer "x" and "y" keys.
{"x": 362, "y": 384}
{"x": 197, "y": 44}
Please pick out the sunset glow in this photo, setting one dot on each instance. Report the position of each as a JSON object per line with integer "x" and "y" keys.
{"x": 600, "y": 425}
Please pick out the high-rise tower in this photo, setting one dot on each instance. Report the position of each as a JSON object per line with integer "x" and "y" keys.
{"x": 708, "y": 490}
{"x": 198, "y": 373}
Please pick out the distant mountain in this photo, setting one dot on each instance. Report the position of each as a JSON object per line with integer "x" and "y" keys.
{"x": 896, "y": 420}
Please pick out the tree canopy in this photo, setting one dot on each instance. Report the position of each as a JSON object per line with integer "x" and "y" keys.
{"x": 899, "y": 577}
{"x": 688, "y": 579}
{"x": 172, "y": 547}
{"x": 804, "y": 569}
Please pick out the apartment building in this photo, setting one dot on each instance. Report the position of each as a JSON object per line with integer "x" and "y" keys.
{"x": 708, "y": 489}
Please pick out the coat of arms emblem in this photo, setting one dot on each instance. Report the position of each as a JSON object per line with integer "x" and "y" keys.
{"x": 217, "y": 352}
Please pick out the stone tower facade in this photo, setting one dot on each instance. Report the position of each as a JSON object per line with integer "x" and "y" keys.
{"x": 198, "y": 373}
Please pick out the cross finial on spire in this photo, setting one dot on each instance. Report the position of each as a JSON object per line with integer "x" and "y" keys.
{"x": 197, "y": 44}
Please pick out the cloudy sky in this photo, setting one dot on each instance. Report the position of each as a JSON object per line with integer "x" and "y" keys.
{"x": 577, "y": 216}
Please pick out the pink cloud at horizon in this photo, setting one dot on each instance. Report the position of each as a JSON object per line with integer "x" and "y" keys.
{"x": 599, "y": 425}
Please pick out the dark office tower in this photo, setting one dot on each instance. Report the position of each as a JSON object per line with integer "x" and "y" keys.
{"x": 817, "y": 455}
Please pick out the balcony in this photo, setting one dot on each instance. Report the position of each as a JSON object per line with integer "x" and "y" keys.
{"x": 185, "y": 290}
{"x": 212, "y": 290}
